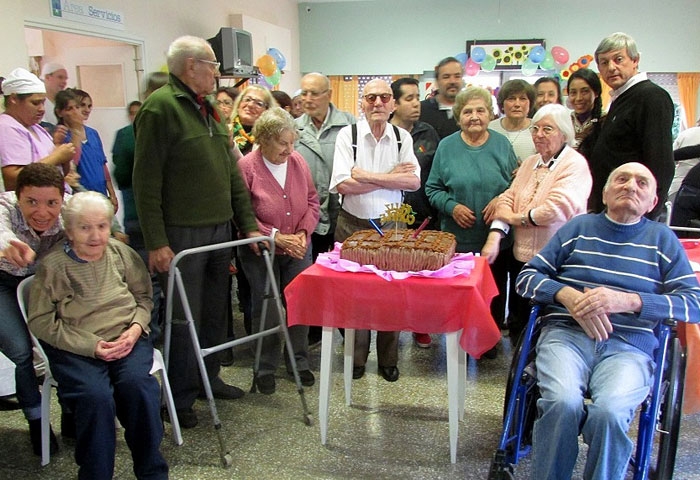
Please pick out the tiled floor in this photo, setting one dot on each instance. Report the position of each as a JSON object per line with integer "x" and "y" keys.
{"x": 392, "y": 431}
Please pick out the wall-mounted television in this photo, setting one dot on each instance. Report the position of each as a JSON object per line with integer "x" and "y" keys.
{"x": 234, "y": 49}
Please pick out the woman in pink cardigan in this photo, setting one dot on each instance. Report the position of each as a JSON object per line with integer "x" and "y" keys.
{"x": 286, "y": 207}
{"x": 549, "y": 188}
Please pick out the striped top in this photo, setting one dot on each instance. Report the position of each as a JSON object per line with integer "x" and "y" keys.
{"x": 644, "y": 258}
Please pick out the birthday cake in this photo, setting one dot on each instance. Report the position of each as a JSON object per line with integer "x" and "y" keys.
{"x": 399, "y": 250}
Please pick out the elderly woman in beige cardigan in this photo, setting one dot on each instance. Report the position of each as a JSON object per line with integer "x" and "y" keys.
{"x": 549, "y": 188}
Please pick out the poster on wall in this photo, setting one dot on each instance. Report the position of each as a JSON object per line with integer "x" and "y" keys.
{"x": 506, "y": 54}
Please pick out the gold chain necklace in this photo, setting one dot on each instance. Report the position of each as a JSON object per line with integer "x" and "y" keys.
{"x": 538, "y": 180}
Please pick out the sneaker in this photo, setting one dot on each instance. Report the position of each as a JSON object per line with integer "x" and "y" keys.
{"x": 422, "y": 340}
{"x": 266, "y": 384}
{"x": 35, "y": 437}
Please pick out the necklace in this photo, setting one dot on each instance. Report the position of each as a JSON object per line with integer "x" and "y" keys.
{"x": 539, "y": 177}
{"x": 509, "y": 133}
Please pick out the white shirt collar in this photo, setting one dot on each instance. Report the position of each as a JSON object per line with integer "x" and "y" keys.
{"x": 635, "y": 79}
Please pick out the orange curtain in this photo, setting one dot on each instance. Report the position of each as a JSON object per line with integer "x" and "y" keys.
{"x": 688, "y": 84}
{"x": 605, "y": 94}
{"x": 344, "y": 92}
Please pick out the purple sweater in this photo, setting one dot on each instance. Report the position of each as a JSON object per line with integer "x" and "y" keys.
{"x": 291, "y": 209}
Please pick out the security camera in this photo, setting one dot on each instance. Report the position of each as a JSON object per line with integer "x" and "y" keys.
{"x": 308, "y": 9}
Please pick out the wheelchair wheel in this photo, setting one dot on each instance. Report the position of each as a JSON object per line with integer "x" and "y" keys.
{"x": 533, "y": 395}
{"x": 670, "y": 421}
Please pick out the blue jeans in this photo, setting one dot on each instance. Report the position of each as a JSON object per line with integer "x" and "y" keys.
{"x": 96, "y": 391}
{"x": 618, "y": 377}
{"x": 16, "y": 344}
{"x": 285, "y": 268}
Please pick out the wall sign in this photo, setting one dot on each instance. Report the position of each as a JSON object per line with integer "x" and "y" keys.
{"x": 87, "y": 13}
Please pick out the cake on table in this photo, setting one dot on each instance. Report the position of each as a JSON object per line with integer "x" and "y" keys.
{"x": 399, "y": 250}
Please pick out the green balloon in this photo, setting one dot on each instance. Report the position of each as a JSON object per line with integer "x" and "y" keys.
{"x": 274, "y": 79}
{"x": 488, "y": 64}
{"x": 529, "y": 68}
{"x": 548, "y": 62}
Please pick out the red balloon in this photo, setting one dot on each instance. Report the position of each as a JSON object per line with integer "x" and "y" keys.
{"x": 561, "y": 56}
{"x": 472, "y": 68}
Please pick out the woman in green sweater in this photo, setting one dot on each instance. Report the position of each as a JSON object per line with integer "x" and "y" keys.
{"x": 470, "y": 169}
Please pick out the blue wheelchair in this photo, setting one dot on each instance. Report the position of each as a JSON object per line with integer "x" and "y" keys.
{"x": 659, "y": 413}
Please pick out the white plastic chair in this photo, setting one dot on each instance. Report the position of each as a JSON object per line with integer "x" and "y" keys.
{"x": 49, "y": 381}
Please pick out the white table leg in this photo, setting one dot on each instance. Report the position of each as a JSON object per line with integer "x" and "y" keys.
{"x": 454, "y": 384}
{"x": 462, "y": 377}
{"x": 324, "y": 393}
{"x": 348, "y": 363}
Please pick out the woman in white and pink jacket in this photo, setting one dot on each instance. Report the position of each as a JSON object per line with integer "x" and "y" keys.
{"x": 549, "y": 188}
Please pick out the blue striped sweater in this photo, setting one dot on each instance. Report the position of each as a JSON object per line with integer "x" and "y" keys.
{"x": 593, "y": 251}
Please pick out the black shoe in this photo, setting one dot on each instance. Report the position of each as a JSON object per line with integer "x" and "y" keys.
{"x": 224, "y": 391}
{"x": 35, "y": 437}
{"x": 307, "y": 378}
{"x": 266, "y": 383}
{"x": 185, "y": 417}
{"x": 491, "y": 354}
{"x": 390, "y": 374}
{"x": 226, "y": 357}
{"x": 68, "y": 425}
{"x": 358, "y": 371}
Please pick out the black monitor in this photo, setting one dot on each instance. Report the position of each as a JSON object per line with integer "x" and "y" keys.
{"x": 234, "y": 49}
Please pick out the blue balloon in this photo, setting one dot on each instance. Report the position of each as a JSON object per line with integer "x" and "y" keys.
{"x": 478, "y": 54}
{"x": 537, "y": 54}
{"x": 462, "y": 57}
{"x": 279, "y": 58}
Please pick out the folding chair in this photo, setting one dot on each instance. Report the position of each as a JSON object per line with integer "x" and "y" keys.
{"x": 49, "y": 381}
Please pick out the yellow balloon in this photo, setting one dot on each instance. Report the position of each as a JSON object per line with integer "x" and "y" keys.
{"x": 267, "y": 65}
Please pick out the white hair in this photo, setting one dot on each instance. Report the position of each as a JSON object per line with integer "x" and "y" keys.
{"x": 83, "y": 202}
{"x": 562, "y": 118}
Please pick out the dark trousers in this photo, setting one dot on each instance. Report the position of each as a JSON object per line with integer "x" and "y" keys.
{"x": 205, "y": 277}
{"x": 686, "y": 210}
{"x": 16, "y": 344}
{"x": 96, "y": 391}
{"x": 387, "y": 342}
{"x": 133, "y": 230}
{"x": 285, "y": 269}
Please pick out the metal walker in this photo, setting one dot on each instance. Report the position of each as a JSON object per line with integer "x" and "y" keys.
{"x": 271, "y": 293}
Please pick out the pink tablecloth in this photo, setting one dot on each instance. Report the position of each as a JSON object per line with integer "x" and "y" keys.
{"x": 320, "y": 296}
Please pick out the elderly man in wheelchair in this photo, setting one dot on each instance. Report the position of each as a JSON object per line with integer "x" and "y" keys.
{"x": 606, "y": 281}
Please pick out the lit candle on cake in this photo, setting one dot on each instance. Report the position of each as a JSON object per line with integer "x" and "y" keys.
{"x": 422, "y": 226}
{"x": 376, "y": 227}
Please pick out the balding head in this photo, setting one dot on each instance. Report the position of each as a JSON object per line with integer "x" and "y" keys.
{"x": 630, "y": 192}
{"x": 316, "y": 96}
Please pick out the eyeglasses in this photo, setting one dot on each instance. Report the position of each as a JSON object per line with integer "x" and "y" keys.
{"x": 227, "y": 103}
{"x": 311, "y": 93}
{"x": 546, "y": 130}
{"x": 216, "y": 65}
{"x": 254, "y": 101}
{"x": 372, "y": 97}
